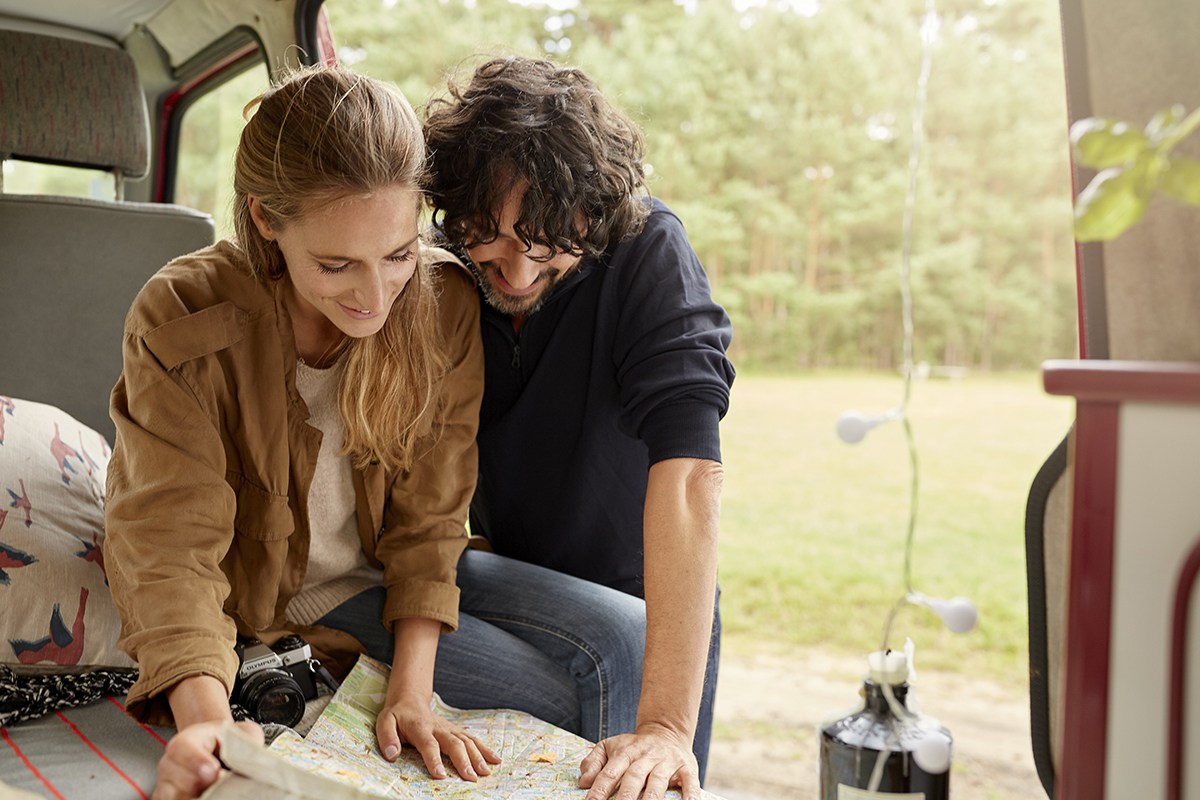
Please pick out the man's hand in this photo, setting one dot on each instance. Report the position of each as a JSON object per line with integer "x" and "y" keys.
{"x": 190, "y": 765}
{"x": 652, "y": 759}
{"x": 411, "y": 720}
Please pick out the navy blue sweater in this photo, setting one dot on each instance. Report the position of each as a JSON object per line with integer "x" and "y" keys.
{"x": 623, "y": 366}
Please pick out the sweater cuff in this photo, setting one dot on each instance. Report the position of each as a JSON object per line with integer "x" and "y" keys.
{"x": 687, "y": 429}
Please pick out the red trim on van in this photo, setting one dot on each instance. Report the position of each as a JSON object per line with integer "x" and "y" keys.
{"x": 1105, "y": 380}
{"x": 1089, "y": 603}
{"x": 172, "y": 100}
{"x": 325, "y": 43}
{"x": 1184, "y": 590}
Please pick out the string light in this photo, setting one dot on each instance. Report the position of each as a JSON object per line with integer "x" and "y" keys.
{"x": 931, "y": 745}
{"x": 959, "y": 613}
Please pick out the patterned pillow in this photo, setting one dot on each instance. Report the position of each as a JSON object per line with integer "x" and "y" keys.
{"x": 58, "y": 614}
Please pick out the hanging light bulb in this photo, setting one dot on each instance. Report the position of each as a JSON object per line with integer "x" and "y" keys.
{"x": 853, "y": 426}
{"x": 932, "y": 753}
{"x": 958, "y": 613}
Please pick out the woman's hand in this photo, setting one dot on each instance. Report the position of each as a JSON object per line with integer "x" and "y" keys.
{"x": 411, "y": 720}
{"x": 406, "y": 716}
{"x": 190, "y": 765}
{"x": 200, "y": 706}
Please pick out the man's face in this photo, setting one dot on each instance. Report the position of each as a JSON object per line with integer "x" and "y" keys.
{"x": 517, "y": 280}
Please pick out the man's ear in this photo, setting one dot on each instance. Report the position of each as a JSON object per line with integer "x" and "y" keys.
{"x": 260, "y": 219}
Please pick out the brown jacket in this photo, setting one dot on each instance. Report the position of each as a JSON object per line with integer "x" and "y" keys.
{"x": 207, "y": 507}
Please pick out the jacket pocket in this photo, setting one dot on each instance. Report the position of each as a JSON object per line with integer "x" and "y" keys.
{"x": 257, "y": 559}
{"x": 261, "y": 515}
{"x": 198, "y": 334}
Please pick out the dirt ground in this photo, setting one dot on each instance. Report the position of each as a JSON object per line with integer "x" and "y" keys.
{"x": 769, "y": 708}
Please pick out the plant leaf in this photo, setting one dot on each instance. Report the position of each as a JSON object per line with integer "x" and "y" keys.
{"x": 1110, "y": 204}
{"x": 1180, "y": 180}
{"x": 1102, "y": 143}
{"x": 1164, "y": 123}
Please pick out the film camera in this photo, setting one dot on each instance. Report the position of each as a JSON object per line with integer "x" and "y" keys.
{"x": 274, "y": 682}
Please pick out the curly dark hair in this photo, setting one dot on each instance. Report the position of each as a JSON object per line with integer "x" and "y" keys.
{"x": 529, "y": 120}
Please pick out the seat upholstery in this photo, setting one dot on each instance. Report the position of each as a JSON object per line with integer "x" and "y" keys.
{"x": 71, "y": 102}
{"x": 70, "y": 267}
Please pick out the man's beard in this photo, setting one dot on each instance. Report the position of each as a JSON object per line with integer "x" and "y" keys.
{"x": 508, "y": 304}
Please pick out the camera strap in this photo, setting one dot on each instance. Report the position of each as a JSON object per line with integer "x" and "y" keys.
{"x": 325, "y": 676}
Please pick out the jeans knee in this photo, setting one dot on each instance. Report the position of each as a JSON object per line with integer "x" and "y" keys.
{"x": 566, "y": 718}
{"x": 629, "y": 622}
{"x": 616, "y": 645}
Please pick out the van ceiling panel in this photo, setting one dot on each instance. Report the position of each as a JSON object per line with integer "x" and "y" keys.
{"x": 111, "y": 18}
{"x": 183, "y": 28}
{"x": 186, "y": 28}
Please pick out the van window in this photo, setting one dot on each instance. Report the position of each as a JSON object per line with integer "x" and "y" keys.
{"x": 208, "y": 138}
{"x": 27, "y": 177}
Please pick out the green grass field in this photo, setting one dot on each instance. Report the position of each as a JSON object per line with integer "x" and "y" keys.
{"x": 813, "y": 529}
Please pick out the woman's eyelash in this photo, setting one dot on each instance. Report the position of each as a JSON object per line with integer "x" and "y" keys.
{"x": 332, "y": 269}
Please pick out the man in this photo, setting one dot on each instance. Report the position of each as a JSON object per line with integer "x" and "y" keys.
{"x": 599, "y": 454}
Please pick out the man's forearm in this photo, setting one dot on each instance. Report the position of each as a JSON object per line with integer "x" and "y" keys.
{"x": 680, "y": 528}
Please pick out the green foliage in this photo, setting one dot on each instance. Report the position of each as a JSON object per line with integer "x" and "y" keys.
{"x": 1133, "y": 165}
{"x": 1103, "y": 143}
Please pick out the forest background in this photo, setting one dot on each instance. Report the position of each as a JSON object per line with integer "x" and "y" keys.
{"x": 779, "y": 131}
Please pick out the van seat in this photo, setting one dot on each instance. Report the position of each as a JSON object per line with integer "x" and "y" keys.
{"x": 70, "y": 267}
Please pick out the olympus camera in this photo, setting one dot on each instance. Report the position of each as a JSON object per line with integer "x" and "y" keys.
{"x": 274, "y": 682}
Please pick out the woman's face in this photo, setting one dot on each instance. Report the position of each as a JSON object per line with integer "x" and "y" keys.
{"x": 348, "y": 262}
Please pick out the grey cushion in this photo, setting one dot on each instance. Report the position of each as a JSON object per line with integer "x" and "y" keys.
{"x": 70, "y": 269}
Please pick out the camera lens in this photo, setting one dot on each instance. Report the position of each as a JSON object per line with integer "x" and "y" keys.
{"x": 272, "y": 695}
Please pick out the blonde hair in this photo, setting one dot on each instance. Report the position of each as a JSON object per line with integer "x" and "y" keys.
{"x": 320, "y": 135}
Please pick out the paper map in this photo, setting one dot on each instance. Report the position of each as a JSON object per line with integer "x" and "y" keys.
{"x": 540, "y": 761}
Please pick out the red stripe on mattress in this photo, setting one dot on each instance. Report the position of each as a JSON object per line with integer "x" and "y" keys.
{"x": 145, "y": 727}
{"x": 101, "y": 755}
{"x": 49, "y": 786}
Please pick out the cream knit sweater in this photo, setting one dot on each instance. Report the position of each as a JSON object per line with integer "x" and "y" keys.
{"x": 337, "y": 567}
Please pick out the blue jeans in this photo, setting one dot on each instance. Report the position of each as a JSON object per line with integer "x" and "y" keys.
{"x": 566, "y": 650}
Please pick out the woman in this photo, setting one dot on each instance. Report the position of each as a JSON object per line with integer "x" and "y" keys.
{"x": 296, "y": 423}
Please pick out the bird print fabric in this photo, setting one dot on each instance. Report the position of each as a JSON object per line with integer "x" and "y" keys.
{"x": 57, "y": 609}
